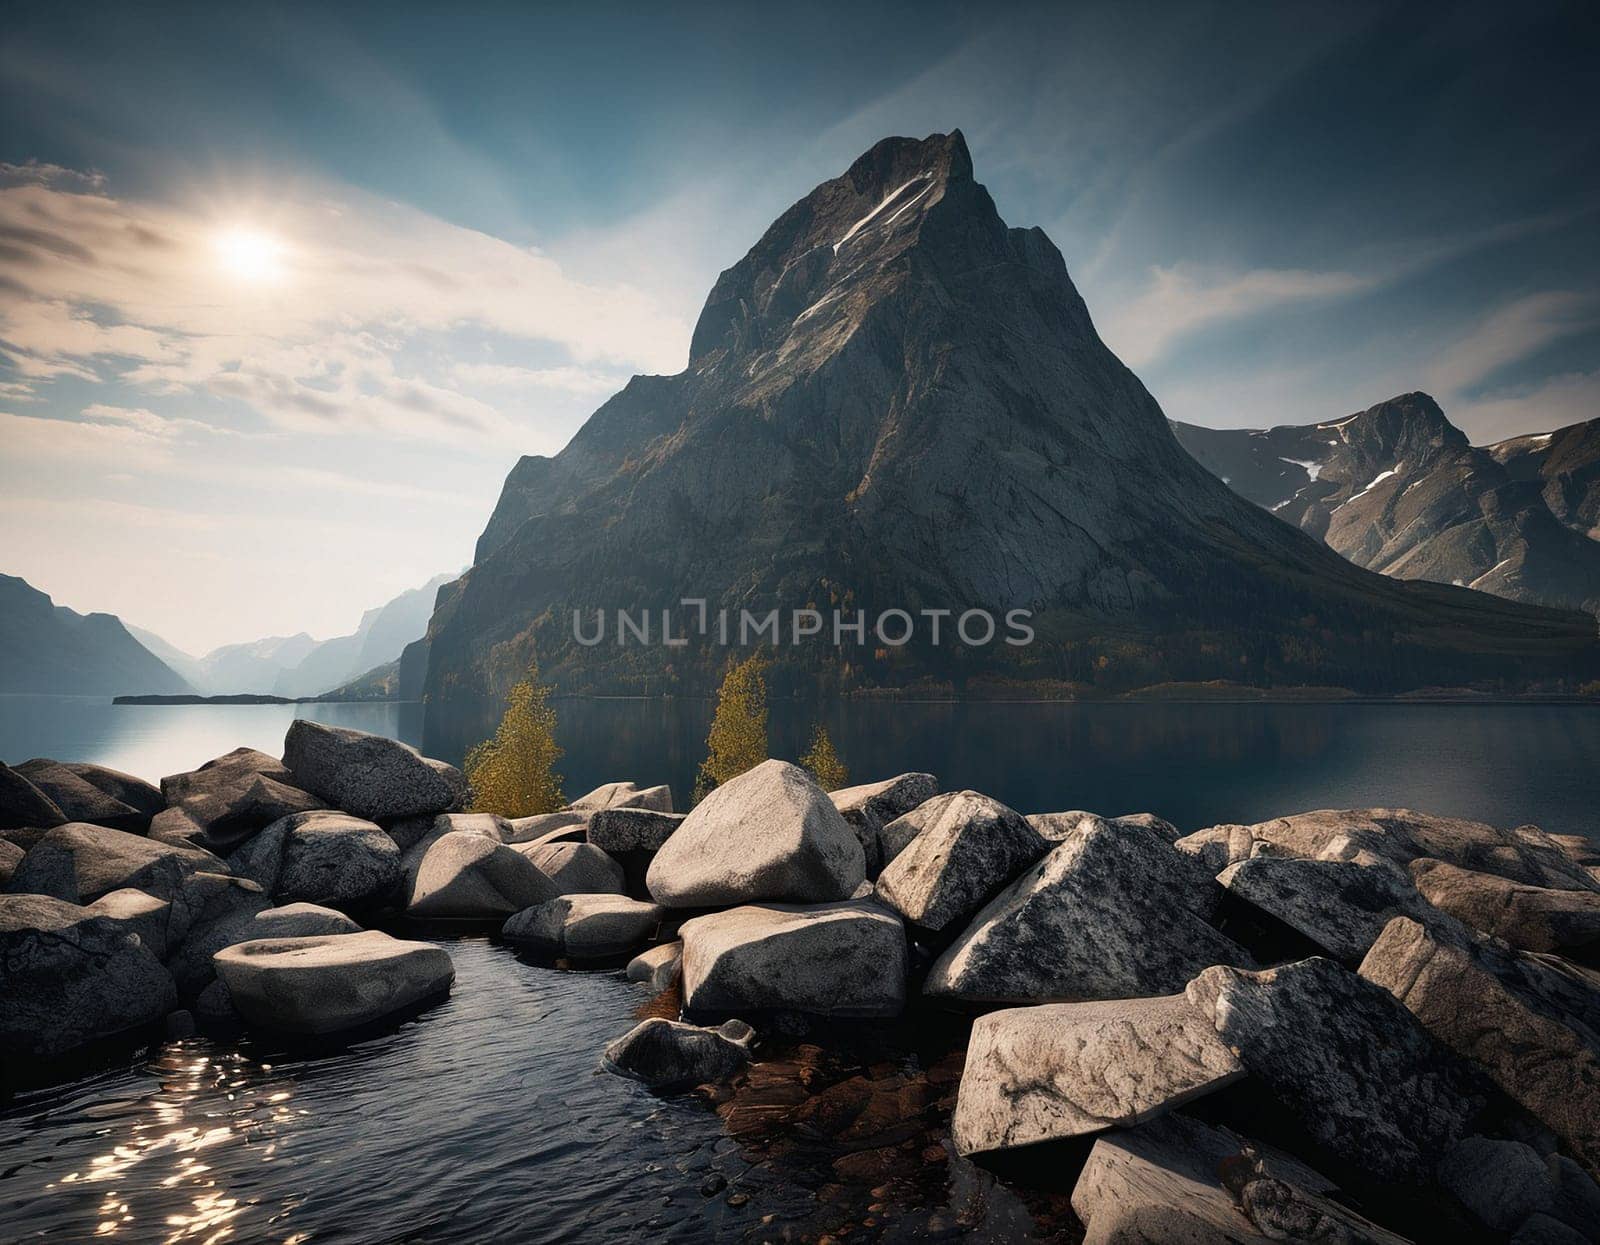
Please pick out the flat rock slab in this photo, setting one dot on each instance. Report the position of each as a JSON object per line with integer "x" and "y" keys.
{"x": 72, "y": 976}
{"x": 577, "y": 868}
{"x": 584, "y": 927}
{"x": 1531, "y": 1022}
{"x": 332, "y": 982}
{"x": 1163, "y": 1182}
{"x": 841, "y": 959}
{"x": 368, "y": 775}
{"x": 769, "y": 834}
{"x": 464, "y": 875}
{"x": 1341, "y": 905}
{"x": 1061, "y": 1070}
{"x": 632, "y": 829}
{"x": 1111, "y": 912}
{"x": 668, "y": 1054}
{"x": 658, "y": 967}
{"x": 971, "y": 849}
{"x": 1353, "y": 1066}
{"x": 1534, "y": 918}
{"x": 325, "y": 858}
{"x": 625, "y": 795}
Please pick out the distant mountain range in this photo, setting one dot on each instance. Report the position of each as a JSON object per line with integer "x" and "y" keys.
{"x": 298, "y": 665}
{"x": 46, "y": 647}
{"x": 1398, "y": 489}
{"x": 896, "y": 402}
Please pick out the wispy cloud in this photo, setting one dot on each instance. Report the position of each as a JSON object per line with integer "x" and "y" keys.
{"x": 1511, "y": 333}
{"x": 1553, "y": 402}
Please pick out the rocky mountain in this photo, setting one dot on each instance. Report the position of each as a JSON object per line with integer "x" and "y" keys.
{"x": 1398, "y": 489}
{"x": 45, "y": 647}
{"x": 1566, "y": 463}
{"x": 895, "y": 401}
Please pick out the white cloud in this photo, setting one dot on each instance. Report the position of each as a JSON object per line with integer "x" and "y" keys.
{"x": 1554, "y": 402}
{"x": 1181, "y": 300}
{"x": 1510, "y": 333}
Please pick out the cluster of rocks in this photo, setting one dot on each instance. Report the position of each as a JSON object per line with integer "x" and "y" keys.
{"x": 1334, "y": 1026}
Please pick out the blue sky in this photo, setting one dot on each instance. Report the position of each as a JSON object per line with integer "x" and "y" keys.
{"x": 285, "y": 290}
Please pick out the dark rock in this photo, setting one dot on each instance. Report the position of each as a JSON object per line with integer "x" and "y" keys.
{"x": 668, "y": 1054}
{"x": 368, "y": 775}
{"x": 81, "y": 800}
{"x": 1505, "y": 1182}
{"x": 71, "y": 977}
{"x": 23, "y": 805}
{"x": 972, "y": 848}
{"x": 145, "y": 915}
{"x": 321, "y": 858}
{"x": 10, "y": 857}
{"x": 79, "y": 863}
{"x": 1356, "y": 1070}
{"x": 220, "y": 805}
{"x": 632, "y": 829}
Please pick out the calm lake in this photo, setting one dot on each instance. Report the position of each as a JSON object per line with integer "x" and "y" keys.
{"x": 484, "y": 1118}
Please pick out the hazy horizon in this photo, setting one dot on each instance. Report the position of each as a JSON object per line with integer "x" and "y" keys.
{"x": 284, "y": 295}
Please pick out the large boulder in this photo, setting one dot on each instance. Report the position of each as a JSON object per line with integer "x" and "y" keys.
{"x": 577, "y": 868}
{"x": 669, "y": 1054}
{"x": 871, "y": 806}
{"x": 1340, "y": 905}
{"x": 1531, "y": 1022}
{"x": 223, "y": 803}
{"x": 584, "y": 927}
{"x": 973, "y": 848}
{"x": 770, "y": 833}
{"x": 148, "y": 916}
{"x": 1112, "y": 912}
{"x": 1535, "y": 918}
{"x": 632, "y": 829}
{"x": 370, "y": 776}
{"x": 10, "y": 857}
{"x": 897, "y": 835}
{"x": 1349, "y": 1063}
{"x": 23, "y": 805}
{"x": 464, "y": 875}
{"x": 1506, "y": 1183}
{"x": 79, "y": 863}
{"x": 840, "y": 959}
{"x": 409, "y": 832}
{"x": 1061, "y": 1070}
{"x": 625, "y": 795}
{"x": 82, "y": 800}
{"x": 240, "y": 912}
{"x": 331, "y": 982}
{"x": 72, "y": 976}
{"x": 322, "y": 858}
{"x": 1177, "y": 1179}
{"x": 1525, "y": 854}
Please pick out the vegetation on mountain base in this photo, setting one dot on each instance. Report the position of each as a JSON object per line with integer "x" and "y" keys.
{"x": 738, "y": 737}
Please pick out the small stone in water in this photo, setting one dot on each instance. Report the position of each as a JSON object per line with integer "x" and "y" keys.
{"x": 714, "y": 1184}
{"x": 737, "y": 1199}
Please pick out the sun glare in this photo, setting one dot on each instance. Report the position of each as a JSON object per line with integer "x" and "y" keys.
{"x": 250, "y": 254}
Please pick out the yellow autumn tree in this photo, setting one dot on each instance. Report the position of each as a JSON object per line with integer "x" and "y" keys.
{"x": 738, "y": 738}
{"x": 822, "y": 760}
{"x": 514, "y": 774}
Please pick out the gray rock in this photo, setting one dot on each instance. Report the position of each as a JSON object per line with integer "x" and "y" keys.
{"x": 1525, "y": 854}
{"x": 79, "y": 863}
{"x": 1164, "y": 1182}
{"x": 72, "y": 976}
{"x": 666, "y": 1054}
{"x": 1531, "y": 1022}
{"x": 1356, "y": 1070}
{"x": 632, "y": 829}
{"x": 584, "y": 927}
{"x": 368, "y": 775}
{"x": 1112, "y": 912}
{"x": 625, "y": 795}
{"x": 421, "y": 833}
{"x": 81, "y": 800}
{"x": 23, "y": 805}
{"x": 577, "y": 868}
{"x": 1534, "y": 918}
{"x": 322, "y": 858}
{"x": 658, "y": 967}
{"x": 139, "y": 913}
{"x": 1341, "y": 905}
{"x": 871, "y": 806}
{"x": 972, "y": 848}
{"x": 10, "y": 857}
{"x": 134, "y": 792}
{"x": 1058, "y": 827}
{"x": 1061, "y": 1070}
{"x": 562, "y": 827}
{"x": 240, "y": 915}
{"x": 331, "y": 982}
{"x": 897, "y": 835}
{"x": 466, "y": 875}
{"x": 223, "y": 803}
{"x": 840, "y": 959}
{"x": 215, "y": 1006}
{"x": 1501, "y": 1182}
{"x": 770, "y": 833}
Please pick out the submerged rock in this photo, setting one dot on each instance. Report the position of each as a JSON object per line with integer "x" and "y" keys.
{"x": 1060, "y": 1070}
{"x": 584, "y": 927}
{"x": 72, "y": 976}
{"x": 658, "y": 967}
{"x": 467, "y": 875}
{"x": 577, "y": 868}
{"x": 667, "y": 1054}
{"x": 369, "y": 775}
{"x": 331, "y": 982}
{"x": 770, "y": 833}
{"x": 1112, "y": 912}
{"x": 632, "y": 829}
{"x": 1354, "y": 1068}
{"x": 840, "y": 959}
{"x": 322, "y": 858}
{"x": 972, "y": 848}
{"x": 1531, "y": 1022}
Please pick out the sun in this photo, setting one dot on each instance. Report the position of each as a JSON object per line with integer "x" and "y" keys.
{"x": 250, "y": 254}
